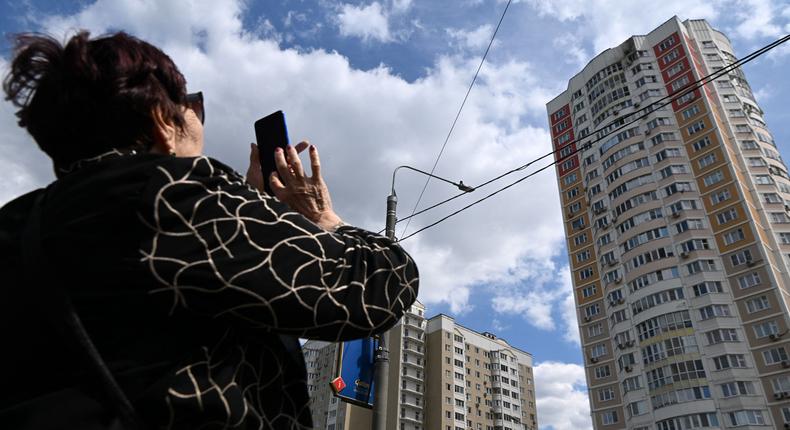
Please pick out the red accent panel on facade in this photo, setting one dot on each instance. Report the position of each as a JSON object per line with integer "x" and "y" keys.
{"x": 568, "y": 165}
{"x": 561, "y": 127}
{"x": 684, "y": 87}
{"x": 562, "y": 141}
{"x": 567, "y": 150}
{"x": 670, "y": 58}
{"x": 684, "y": 67}
{"x": 559, "y": 114}
{"x": 666, "y": 44}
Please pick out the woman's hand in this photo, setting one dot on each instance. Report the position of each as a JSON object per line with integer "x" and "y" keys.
{"x": 307, "y": 195}
{"x": 254, "y": 172}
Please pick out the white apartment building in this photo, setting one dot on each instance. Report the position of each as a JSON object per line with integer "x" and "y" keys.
{"x": 678, "y": 236}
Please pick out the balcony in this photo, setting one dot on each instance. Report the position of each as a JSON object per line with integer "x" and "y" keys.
{"x": 413, "y": 377}
{"x": 413, "y": 350}
{"x": 413, "y": 363}
{"x": 410, "y": 419}
{"x": 411, "y": 389}
{"x": 415, "y": 322}
{"x": 412, "y": 336}
{"x": 411, "y": 405}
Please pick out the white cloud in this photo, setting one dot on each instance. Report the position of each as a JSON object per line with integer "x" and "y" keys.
{"x": 401, "y": 6}
{"x": 18, "y": 153}
{"x": 530, "y": 293}
{"x": 472, "y": 39}
{"x": 266, "y": 30}
{"x": 366, "y": 22}
{"x": 757, "y": 19}
{"x": 568, "y": 309}
{"x": 541, "y": 294}
{"x": 610, "y": 22}
{"x": 573, "y": 46}
{"x": 365, "y": 123}
{"x": 764, "y": 93}
{"x": 562, "y": 397}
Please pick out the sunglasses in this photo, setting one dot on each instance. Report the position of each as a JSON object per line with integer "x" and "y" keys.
{"x": 195, "y": 102}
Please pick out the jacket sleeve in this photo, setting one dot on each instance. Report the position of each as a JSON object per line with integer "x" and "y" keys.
{"x": 217, "y": 247}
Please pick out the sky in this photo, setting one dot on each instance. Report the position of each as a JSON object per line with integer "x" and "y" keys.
{"x": 377, "y": 84}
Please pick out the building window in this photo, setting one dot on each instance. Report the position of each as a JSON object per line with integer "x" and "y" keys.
{"x": 775, "y": 356}
{"x": 726, "y": 216}
{"x": 707, "y": 160}
{"x": 604, "y": 372}
{"x": 609, "y": 417}
{"x": 746, "y": 417}
{"x": 748, "y": 281}
{"x": 733, "y": 236}
{"x": 720, "y": 196}
{"x": 695, "y": 128}
{"x": 758, "y": 304}
{"x": 605, "y": 394}
{"x": 713, "y": 311}
{"x": 765, "y": 329}
{"x": 729, "y": 361}
{"x": 713, "y": 178}
{"x": 743, "y": 257}
{"x": 721, "y": 335}
{"x": 735, "y": 388}
{"x": 588, "y": 291}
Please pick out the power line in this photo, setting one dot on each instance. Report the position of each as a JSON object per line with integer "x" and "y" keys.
{"x": 457, "y": 115}
{"x": 648, "y": 110}
{"x": 689, "y": 89}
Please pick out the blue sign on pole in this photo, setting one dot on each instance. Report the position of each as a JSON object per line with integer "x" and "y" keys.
{"x": 355, "y": 372}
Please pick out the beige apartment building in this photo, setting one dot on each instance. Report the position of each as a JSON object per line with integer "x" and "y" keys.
{"x": 442, "y": 376}
{"x": 678, "y": 236}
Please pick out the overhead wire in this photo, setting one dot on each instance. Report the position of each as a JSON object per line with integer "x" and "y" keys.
{"x": 648, "y": 110}
{"x": 689, "y": 88}
{"x": 457, "y": 115}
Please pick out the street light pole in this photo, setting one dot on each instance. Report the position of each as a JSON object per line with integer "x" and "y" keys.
{"x": 382, "y": 361}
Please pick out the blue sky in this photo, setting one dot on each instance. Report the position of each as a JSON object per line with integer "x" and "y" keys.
{"x": 376, "y": 84}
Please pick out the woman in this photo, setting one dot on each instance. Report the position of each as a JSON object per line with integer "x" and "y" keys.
{"x": 191, "y": 283}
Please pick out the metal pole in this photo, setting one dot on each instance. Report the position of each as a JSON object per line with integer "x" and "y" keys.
{"x": 382, "y": 353}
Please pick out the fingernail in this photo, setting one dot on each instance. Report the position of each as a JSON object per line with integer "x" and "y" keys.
{"x": 312, "y": 147}
{"x": 278, "y": 149}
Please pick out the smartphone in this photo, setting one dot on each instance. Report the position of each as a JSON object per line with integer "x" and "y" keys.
{"x": 271, "y": 133}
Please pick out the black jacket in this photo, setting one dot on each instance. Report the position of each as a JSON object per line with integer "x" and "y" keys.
{"x": 186, "y": 278}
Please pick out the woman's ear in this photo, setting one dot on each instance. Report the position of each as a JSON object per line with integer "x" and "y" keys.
{"x": 163, "y": 133}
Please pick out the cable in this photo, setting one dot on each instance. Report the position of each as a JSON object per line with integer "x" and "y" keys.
{"x": 688, "y": 89}
{"x": 457, "y": 115}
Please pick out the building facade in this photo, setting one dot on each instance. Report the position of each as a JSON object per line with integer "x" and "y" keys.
{"x": 442, "y": 376}
{"x": 678, "y": 236}
{"x": 476, "y": 380}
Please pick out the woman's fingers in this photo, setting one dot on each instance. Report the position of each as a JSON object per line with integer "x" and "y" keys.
{"x": 294, "y": 162}
{"x": 315, "y": 162}
{"x": 301, "y": 146}
{"x": 279, "y": 162}
{"x": 255, "y": 158}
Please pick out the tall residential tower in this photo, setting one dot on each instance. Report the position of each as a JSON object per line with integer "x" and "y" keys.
{"x": 678, "y": 236}
{"x": 443, "y": 376}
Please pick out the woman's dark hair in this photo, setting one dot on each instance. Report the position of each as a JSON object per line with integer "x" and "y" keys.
{"x": 92, "y": 95}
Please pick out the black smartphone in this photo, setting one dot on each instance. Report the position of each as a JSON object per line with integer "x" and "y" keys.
{"x": 271, "y": 133}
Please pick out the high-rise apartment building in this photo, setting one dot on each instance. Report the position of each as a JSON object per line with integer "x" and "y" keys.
{"x": 678, "y": 236}
{"x": 476, "y": 380}
{"x": 442, "y": 376}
